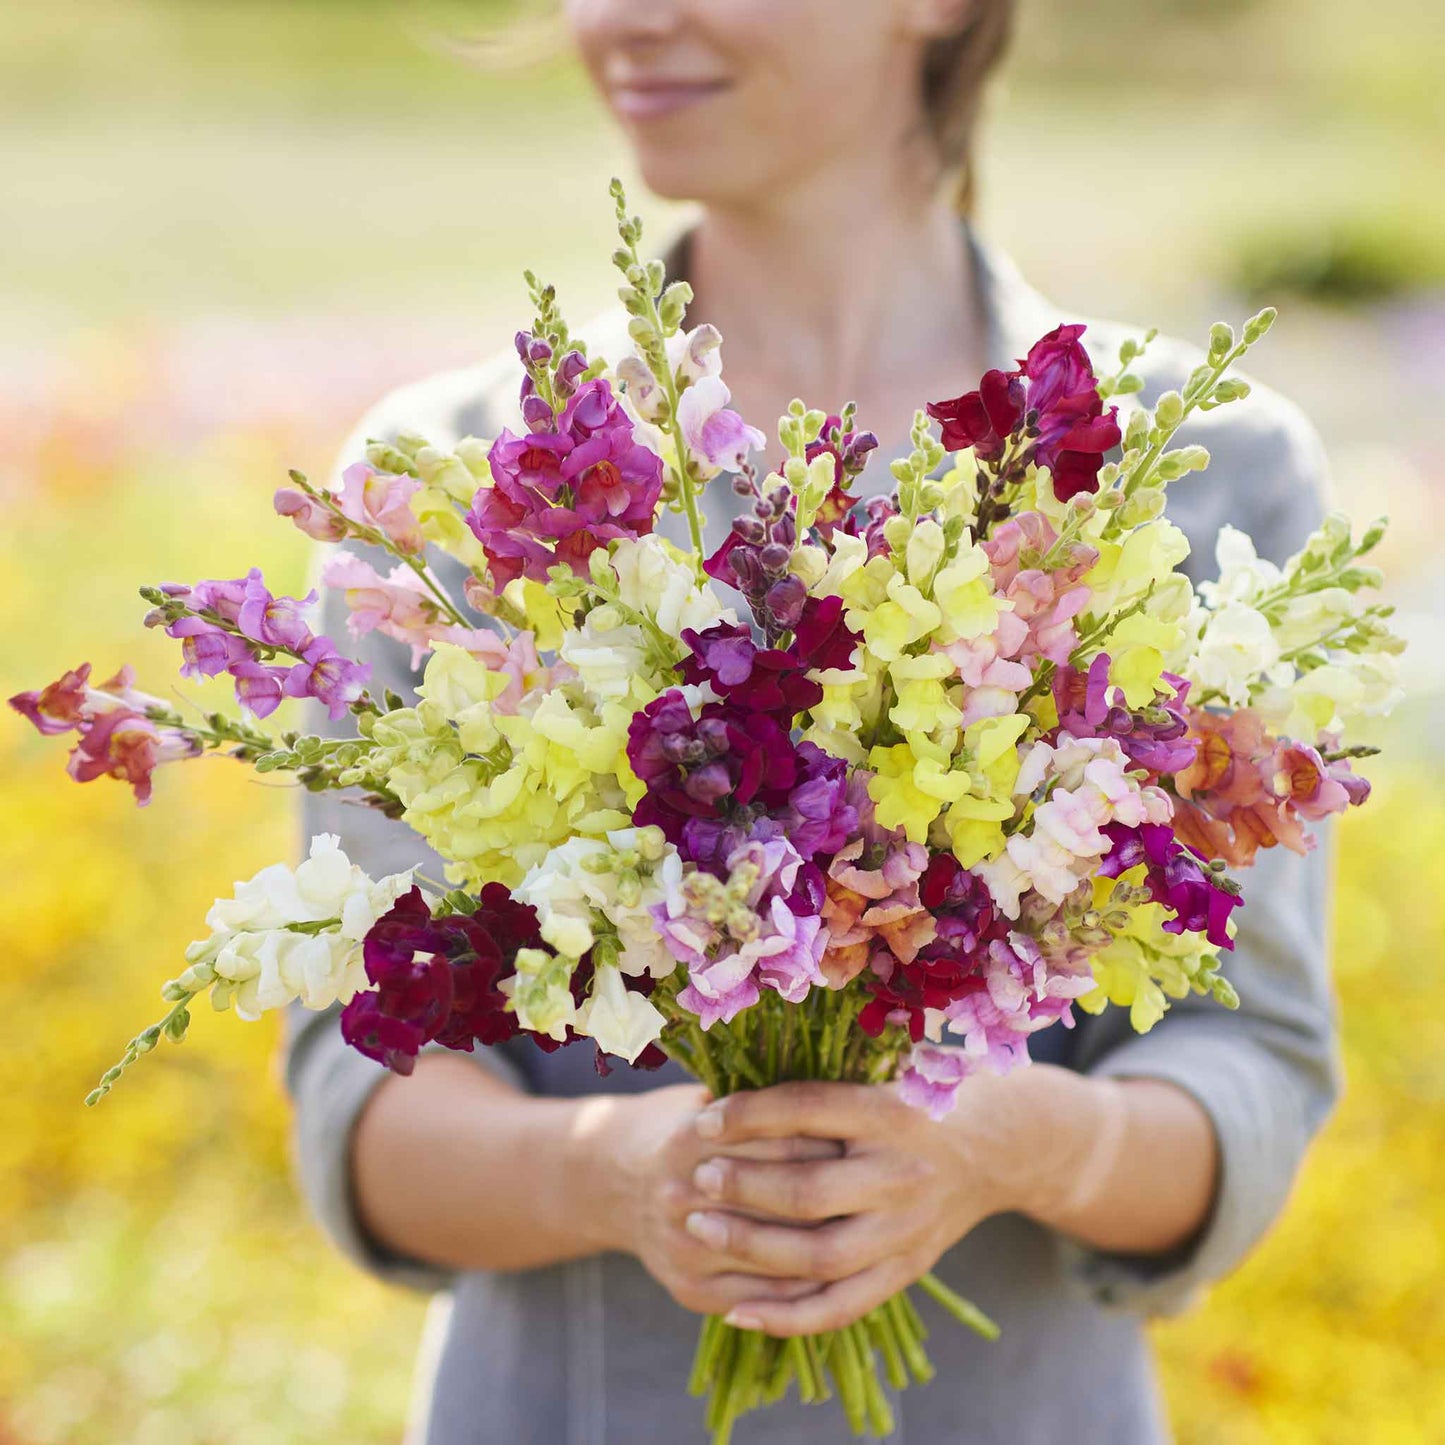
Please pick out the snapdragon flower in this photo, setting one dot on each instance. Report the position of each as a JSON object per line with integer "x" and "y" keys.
{"x": 292, "y": 934}
{"x": 237, "y": 626}
{"x": 1047, "y": 411}
{"x": 117, "y": 737}
{"x": 589, "y": 888}
{"x": 560, "y": 492}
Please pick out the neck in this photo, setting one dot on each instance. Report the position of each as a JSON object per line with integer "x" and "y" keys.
{"x": 841, "y": 287}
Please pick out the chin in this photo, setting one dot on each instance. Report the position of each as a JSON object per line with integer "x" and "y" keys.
{"x": 696, "y": 173}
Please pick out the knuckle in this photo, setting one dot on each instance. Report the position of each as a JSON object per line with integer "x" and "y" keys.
{"x": 732, "y": 1181}
{"x": 672, "y": 1195}
{"x": 912, "y": 1172}
{"x": 796, "y": 1194}
{"x": 826, "y": 1258}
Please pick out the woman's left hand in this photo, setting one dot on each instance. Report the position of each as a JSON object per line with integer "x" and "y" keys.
{"x": 870, "y": 1223}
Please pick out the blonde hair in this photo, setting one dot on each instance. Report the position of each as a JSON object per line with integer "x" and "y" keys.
{"x": 956, "y": 70}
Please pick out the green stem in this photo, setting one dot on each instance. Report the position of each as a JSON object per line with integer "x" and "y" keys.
{"x": 848, "y": 1376}
{"x": 875, "y": 1402}
{"x": 964, "y": 1311}
{"x": 704, "y": 1361}
{"x": 909, "y": 1341}
{"x": 421, "y": 569}
{"x": 884, "y": 1333}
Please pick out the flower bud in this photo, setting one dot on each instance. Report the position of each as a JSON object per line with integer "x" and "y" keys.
{"x": 1259, "y": 324}
{"x": 1221, "y": 339}
{"x": 1169, "y": 410}
{"x": 785, "y": 600}
{"x": 774, "y": 559}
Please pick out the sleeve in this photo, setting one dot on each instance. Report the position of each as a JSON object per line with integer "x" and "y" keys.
{"x": 1267, "y": 1074}
{"x": 329, "y": 1083}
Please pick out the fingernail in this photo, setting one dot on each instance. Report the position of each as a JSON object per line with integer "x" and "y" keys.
{"x": 710, "y": 1121}
{"x": 708, "y": 1229}
{"x": 708, "y": 1179}
{"x": 740, "y": 1320}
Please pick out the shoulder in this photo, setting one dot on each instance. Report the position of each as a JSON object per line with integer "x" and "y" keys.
{"x": 1268, "y": 474}
{"x": 468, "y": 401}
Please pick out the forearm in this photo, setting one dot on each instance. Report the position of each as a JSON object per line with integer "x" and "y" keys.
{"x": 1124, "y": 1165}
{"x": 457, "y": 1167}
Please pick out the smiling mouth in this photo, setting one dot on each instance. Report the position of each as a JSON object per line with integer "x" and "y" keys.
{"x": 652, "y": 99}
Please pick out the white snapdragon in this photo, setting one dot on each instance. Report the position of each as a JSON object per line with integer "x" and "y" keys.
{"x": 606, "y": 653}
{"x": 1243, "y": 574}
{"x": 588, "y": 889}
{"x": 261, "y": 948}
{"x": 540, "y": 990}
{"x": 653, "y": 578}
{"x": 1324, "y": 699}
{"x": 617, "y": 1019}
{"x": 1236, "y": 649}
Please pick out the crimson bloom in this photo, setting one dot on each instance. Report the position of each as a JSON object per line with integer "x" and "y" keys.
{"x": 1047, "y": 411}
{"x": 764, "y": 679}
{"x": 436, "y": 979}
{"x": 728, "y": 757}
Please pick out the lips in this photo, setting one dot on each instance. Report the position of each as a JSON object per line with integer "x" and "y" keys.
{"x": 652, "y": 99}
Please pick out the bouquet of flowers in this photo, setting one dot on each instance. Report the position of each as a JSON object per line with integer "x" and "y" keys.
{"x": 874, "y": 792}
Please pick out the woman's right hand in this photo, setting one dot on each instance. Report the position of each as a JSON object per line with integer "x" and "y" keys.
{"x": 648, "y": 1147}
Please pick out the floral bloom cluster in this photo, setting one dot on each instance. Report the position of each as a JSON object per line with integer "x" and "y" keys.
{"x": 239, "y": 628}
{"x": 893, "y": 779}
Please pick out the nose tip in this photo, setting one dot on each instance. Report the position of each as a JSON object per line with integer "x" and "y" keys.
{"x": 645, "y": 19}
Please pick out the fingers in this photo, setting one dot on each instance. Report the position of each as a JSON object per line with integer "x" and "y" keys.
{"x": 809, "y": 1190}
{"x": 720, "y": 1293}
{"x": 830, "y": 1308}
{"x": 828, "y": 1252}
{"x": 795, "y": 1147}
{"x": 820, "y": 1110}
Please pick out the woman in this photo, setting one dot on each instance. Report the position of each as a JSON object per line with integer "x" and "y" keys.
{"x": 579, "y": 1220}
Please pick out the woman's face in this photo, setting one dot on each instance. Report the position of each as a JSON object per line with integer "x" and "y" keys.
{"x": 728, "y": 100}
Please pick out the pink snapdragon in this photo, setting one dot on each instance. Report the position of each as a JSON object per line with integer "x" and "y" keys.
{"x": 128, "y": 745}
{"x": 372, "y": 502}
{"x": 400, "y": 607}
{"x": 117, "y": 738}
{"x": 72, "y": 700}
{"x": 559, "y": 494}
{"x": 1045, "y": 600}
{"x": 309, "y": 515}
{"x": 712, "y": 430}
{"x": 932, "y": 1079}
{"x": 1089, "y": 787}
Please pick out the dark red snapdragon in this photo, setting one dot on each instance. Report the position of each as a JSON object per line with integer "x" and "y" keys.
{"x": 436, "y": 978}
{"x": 702, "y": 768}
{"x": 1048, "y": 411}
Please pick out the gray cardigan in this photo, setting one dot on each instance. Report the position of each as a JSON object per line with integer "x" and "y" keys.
{"x": 596, "y": 1353}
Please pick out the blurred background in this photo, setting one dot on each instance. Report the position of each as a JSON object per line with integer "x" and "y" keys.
{"x": 226, "y": 226}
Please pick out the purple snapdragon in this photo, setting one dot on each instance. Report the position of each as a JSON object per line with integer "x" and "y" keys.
{"x": 238, "y": 627}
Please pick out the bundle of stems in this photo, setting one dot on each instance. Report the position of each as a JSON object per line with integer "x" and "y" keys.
{"x": 775, "y": 1042}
